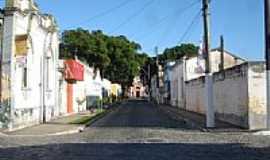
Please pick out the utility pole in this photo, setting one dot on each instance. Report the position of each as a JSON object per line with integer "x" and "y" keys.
{"x": 267, "y": 55}
{"x": 149, "y": 81}
{"x": 157, "y": 79}
{"x": 210, "y": 111}
{"x": 221, "y": 53}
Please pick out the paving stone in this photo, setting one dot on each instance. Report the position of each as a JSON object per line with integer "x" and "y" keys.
{"x": 138, "y": 130}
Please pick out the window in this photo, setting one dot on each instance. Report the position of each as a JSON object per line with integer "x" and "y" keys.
{"x": 24, "y": 78}
{"x": 21, "y": 45}
{"x": 48, "y": 59}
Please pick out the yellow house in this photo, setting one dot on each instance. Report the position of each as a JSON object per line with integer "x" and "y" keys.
{"x": 116, "y": 89}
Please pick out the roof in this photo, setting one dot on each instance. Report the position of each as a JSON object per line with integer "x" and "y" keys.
{"x": 233, "y": 55}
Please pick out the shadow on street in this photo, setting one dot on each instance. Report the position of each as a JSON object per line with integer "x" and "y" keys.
{"x": 139, "y": 114}
{"x": 136, "y": 151}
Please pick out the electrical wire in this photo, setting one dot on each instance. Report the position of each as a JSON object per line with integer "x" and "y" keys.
{"x": 190, "y": 26}
{"x": 133, "y": 16}
{"x": 104, "y": 13}
{"x": 165, "y": 18}
{"x": 169, "y": 28}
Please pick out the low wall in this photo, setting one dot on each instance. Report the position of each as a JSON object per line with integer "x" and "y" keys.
{"x": 257, "y": 95}
{"x": 231, "y": 95}
{"x": 239, "y": 95}
{"x": 195, "y": 95}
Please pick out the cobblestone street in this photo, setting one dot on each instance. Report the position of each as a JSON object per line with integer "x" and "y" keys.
{"x": 138, "y": 130}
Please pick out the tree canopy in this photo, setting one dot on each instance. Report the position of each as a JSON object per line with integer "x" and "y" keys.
{"x": 118, "y": 58}
{"x": 178, "y": 52}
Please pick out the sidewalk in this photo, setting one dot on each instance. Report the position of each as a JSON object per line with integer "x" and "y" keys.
{"x": 65, "y": 125}
{"x": 198, "y": 120}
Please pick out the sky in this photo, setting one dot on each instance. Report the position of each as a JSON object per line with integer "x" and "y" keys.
{"x": 166, "y": 23}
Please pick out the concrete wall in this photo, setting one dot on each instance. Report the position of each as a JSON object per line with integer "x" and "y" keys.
{"x": 195, "y": 95}
{"x": 257, "y": 95}
{"x": 178, "y": 85}
{"x": 239, "y": 95}
{"x": 231, "y": 95}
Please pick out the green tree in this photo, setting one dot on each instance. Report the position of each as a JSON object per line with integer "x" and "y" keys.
{"x": 117, "y": 57}
{"x": 177, "y": 52}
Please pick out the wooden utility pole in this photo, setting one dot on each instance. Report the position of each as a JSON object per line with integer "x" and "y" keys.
{"x": 157, "y": 65}
{"x": 222, "y": 53}
{"x": 157, "y": 78}
{"x": 267, "y": 55}
{"x": 210, "y": 111}
{"x": 149, "y": 81}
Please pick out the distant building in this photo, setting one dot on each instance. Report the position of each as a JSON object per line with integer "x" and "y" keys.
{"x": 195, "y": 66}
{"x": 116, "y": 90}
{"x": 137, "y": 90}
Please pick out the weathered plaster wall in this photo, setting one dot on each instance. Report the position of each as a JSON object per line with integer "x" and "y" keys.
{"x": 231, "y": 95}
{"x": 37, "y": 100}
{"x": 257, "y": 95}
{"x": 239, "y": 95}
{"x": 195, "y": 95}
{"x": 178, "y": 85}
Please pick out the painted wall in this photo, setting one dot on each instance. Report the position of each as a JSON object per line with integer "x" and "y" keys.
{"x": 257, "y": 95}
{"x": 195, "y": 95}
{"x": 178, "y": 85}
{"x": 231, "y": 95}
{"x": 31, "y": 91}
{"x": 239, "y": 95}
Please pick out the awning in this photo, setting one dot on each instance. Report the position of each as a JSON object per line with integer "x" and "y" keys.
{"x": 74, "y": 70}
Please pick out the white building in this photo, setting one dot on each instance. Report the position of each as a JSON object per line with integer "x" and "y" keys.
{"x": 107, "y": 87}
{"x": 80, "y": 86}
{"x": 137, "y": 90}
{"x": 29, "y": 66}
{"x": 195, "y": 66}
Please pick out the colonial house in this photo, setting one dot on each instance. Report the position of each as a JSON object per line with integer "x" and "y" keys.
{"x": 29, "y": 66}
{"x": 81, "y": 87}
{"x": 137, "y": 90}
{"x": 72, "y": 87}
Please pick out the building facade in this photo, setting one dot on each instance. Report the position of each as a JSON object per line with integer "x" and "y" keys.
{"x": 29, "y": 66}
{"x": 137, "y": 90}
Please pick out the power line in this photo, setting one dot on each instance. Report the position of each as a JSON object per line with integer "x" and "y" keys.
{"x": 165, "y": 18}
{"x": 190, "y": 26}
{"x": 106, "y": 12}
{"x": 130, "y": 18}
{"x": 169, "y": 28}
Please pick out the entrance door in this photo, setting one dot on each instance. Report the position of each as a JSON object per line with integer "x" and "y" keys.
{"x": 69, "y": 98}
{"x": 138, "y": 94}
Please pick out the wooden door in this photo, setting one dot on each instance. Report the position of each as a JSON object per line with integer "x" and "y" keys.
{"x": 69, "y": 97}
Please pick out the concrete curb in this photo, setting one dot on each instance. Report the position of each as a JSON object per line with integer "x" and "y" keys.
{"x": 78, "y": 129}
{"x": 72, "y": 131}
{"x": 262, "y": 133}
